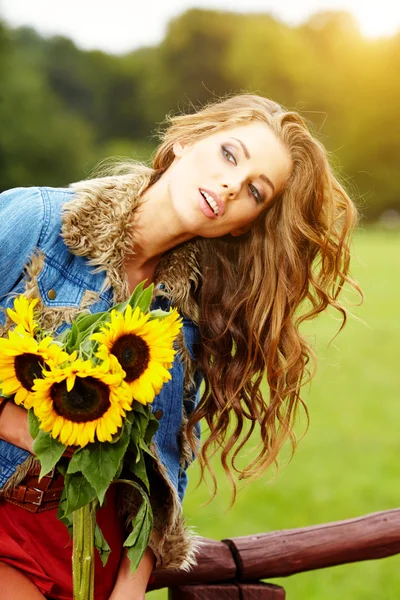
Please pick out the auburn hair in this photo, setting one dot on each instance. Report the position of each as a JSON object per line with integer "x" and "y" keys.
{"x": 288, "y": 268}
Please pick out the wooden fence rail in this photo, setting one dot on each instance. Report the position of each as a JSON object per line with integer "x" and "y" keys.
{"x": 239, "y": 562}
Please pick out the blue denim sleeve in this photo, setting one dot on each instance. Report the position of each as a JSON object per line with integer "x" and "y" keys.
{"x": 10, "y": 457}
{"x": 22, "y": 218}
{"x": 191, "y": 337}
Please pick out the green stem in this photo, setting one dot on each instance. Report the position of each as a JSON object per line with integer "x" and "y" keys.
{"x": 84, "y": 520}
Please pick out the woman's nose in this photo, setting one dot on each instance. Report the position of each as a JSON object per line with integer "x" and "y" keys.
{"x": 232, "y": 188}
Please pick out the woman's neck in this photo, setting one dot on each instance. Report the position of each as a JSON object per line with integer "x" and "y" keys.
{"x": 156, "y": 226}
{"x": 156, "y": 230}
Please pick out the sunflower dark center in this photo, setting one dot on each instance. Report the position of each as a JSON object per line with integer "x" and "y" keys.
{"x": 27, "y": 368}
{"x": 133, "y": 355}
{"x": 88, "y": 400}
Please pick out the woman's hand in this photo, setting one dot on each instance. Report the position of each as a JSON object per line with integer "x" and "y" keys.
{"x": 133, "y": 587}
{"x": 14, "y": 426}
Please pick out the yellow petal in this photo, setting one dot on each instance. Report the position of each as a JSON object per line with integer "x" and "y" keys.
{"x": 58, "y": 424}
{"x": 70, "y": 381}
{"x": 65, "y": 432}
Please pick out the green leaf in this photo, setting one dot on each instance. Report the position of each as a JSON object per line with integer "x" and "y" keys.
{"x": 119, "y": 470}
{"x": 120, "y": 307}
{"x": 144, "y": 300}
{"x": 62, "y": 465}
{"x": 136, "y": 524}
{"x": 72, "y": 338}
{"x": 63, "y": 337}
{"x": 145, "y": 448}
{"x": 136, "y": 294}
{"x": 85, "y": 322}
{"x": 141, "y": 415}
{"x": 136, "y": 432}
{"x": 48, "y": 451}
{"x": 144, "y": 426}
{"x": 138, "y": 468}
{"x": 33, "y": 423}
{"x": 137, "y": 549}
{"x": 64, "y": 518}
{"x": 142, "y": 421}
{"x": 78, "y": 492}
{"x": 101, "y": 544}
{"x": 157, "y": 313}
{"x": 138, "y": 407}
{"x": 152, "y": 427}
{"x": 99, "y": 462}
{"x": 82, "y": 327}
{"x": 142, "y": 524}
{"x": 86, "y": 346}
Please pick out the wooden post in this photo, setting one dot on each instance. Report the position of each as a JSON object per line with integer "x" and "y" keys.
{"x": 227, "y": 591}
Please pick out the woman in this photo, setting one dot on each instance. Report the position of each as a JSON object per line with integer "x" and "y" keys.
{"x": 243, "y": 227}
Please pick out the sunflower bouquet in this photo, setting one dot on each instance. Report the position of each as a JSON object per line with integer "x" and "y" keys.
{"x": 89, "y": 390}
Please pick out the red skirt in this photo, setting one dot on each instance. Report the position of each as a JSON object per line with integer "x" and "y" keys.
{"x": 39, "y": 545}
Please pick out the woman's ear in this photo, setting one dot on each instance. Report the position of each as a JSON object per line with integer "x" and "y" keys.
{"x": 177, "y": 149}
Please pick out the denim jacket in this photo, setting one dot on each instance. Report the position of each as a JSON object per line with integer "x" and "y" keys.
{"x": 36, "y": 260}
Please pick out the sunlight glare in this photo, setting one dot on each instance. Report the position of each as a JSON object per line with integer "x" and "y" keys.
{"x": 377, "y": 20}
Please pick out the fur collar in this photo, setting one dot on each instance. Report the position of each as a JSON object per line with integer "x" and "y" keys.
{"x": 97, "y": 225}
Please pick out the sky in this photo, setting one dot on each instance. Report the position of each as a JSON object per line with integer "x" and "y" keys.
{"x": 118, "y": 26}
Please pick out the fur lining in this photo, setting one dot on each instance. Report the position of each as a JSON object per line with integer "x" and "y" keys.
{"x": 20, "y": 474}
{"x": 179, "y": 271}
{"x": 97, "y": 224}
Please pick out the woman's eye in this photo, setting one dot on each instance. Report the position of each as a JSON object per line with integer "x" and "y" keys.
{"x": 256, "y": 193}
{"x": 228, "y": 155}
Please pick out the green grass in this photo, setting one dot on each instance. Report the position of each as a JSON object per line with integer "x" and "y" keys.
{"x": 348, "y": 463}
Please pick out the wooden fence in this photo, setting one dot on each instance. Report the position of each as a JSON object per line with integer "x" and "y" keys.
{"x": 231, "y": 569}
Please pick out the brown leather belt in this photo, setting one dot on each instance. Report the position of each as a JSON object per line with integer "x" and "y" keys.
{"x": 34, "y": 495}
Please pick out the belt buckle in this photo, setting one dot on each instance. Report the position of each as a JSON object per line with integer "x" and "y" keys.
{"x": 41, "y": 494}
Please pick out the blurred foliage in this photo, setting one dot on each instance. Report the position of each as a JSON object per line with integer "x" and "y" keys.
{"x": 63, "y": 109}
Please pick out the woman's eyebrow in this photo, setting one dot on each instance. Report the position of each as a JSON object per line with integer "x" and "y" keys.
{"x": 247, "y": 155}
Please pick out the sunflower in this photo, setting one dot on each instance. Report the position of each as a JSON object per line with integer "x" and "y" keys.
{"x": 143, "y": 346}
{"x": 22, "y": 314}
{"x": 22, "y": 359}
{"x": 79, "y": 401}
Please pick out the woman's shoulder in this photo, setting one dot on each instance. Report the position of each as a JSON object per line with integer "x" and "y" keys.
{"x": 26, "y": 215}
{"x": 34, "y": 196}
{"x": 28, "y": 211}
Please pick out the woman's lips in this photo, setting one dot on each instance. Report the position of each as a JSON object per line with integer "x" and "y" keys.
{"x": 206, "y": 208}
{"x": 213, "y": 201}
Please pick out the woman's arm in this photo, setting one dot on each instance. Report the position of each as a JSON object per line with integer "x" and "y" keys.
{"x": 14, "y": 429}
{"x": 133, "y": 587}
{"x": 14, "y": 426}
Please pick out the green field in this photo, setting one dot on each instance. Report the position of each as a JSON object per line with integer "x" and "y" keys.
{"x": 348, "y": 462}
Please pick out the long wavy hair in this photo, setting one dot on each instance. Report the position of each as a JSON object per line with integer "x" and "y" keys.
{"x": 258, "y": 288}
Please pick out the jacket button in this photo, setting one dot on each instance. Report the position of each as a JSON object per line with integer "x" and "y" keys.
{"x": 158, "y": 414}
{"x": 52, "y": 294}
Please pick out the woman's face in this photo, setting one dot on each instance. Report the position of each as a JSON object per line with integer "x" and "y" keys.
{"x": 223, "y": 182}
